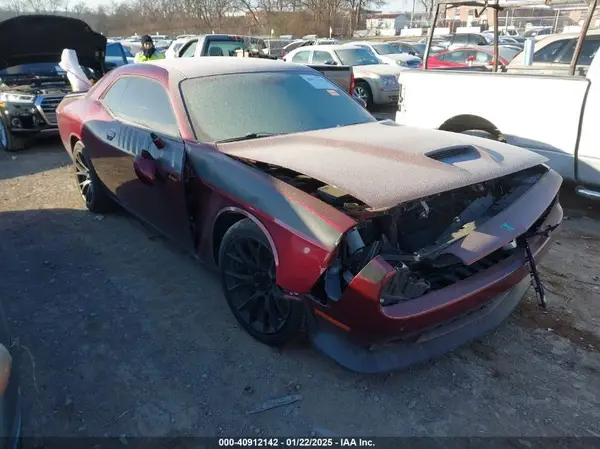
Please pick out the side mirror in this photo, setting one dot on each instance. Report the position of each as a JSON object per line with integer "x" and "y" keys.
{"x": 412, "y": 53}
{"x": 145, "y": 168}
{"x": 360, "y": 101}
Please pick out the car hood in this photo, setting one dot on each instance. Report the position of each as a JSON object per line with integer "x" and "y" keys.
{"x": 376, "y": 69}
{"x": 42, "y": 38}
{"x": 384, "y": 164}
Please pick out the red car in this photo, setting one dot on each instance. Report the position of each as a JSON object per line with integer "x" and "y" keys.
{"x": 386, "y": 244}
{"x": 469, "y": 56}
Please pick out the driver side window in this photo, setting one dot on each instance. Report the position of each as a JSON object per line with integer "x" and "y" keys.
{"x": 142, "y": 101}
{"x": 190, "y": 50}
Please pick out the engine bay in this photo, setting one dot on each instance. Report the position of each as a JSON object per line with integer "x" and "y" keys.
{"x": 412, "y": 236}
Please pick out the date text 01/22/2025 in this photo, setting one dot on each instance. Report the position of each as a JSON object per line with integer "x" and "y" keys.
{"x": 295, "y": 442}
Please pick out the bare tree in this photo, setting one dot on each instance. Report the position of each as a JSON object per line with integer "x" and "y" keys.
{"x": 428, "y": 5}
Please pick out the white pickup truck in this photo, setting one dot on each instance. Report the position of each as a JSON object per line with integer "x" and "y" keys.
{"x": 556, "y": 116}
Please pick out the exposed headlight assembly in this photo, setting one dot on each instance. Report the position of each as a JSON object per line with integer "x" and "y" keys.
{"x": 16, "y": 98}
{"x": 401, "y": 63}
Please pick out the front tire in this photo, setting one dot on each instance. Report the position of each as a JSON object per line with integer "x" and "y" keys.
{"x": 8, "y": 141}
{"x": 363, "y": 91}
{"x": 90, "y": 187}
{"x": 247, "y": 269}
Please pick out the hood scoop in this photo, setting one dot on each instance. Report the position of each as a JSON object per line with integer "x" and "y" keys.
{"x": 455, "y": 154}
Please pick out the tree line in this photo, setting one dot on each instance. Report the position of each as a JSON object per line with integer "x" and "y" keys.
{"x": 254, "y": 17}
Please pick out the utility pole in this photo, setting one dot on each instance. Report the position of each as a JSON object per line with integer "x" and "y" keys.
{"x": 412, "y": 15}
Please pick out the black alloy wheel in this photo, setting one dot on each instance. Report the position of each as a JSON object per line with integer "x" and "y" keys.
{"x": 90, "y": 188}
{"x": 248, "y": 278}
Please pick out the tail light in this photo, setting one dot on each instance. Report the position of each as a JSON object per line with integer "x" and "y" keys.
{"x": 351, "y": 89}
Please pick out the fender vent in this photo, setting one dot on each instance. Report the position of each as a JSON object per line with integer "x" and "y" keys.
{"x": 452, "y": 155}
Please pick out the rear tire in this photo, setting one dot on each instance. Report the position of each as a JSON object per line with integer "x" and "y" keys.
{"x": 91, "y": 189}
{"x": 247, "y": 269}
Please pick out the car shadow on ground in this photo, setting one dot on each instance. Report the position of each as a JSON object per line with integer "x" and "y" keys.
{"x": 41, "y": 156}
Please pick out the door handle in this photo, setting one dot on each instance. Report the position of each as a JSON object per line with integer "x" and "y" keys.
{"x": 110, "y": 135}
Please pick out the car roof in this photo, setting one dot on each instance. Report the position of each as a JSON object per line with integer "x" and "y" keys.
{"x": 219, "y": 65}
{"x": 557, "y": 37}
{"x": 362, "y": 43}
{"x": 327, "y": 47}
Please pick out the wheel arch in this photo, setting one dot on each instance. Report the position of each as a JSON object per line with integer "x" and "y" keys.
{"x": 225, "y": 219}
{"x": 364, "y": 80}
{"x": 467, "y": 122}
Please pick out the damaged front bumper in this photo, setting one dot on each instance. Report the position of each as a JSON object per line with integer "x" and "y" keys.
{"x": 364, "y": 335}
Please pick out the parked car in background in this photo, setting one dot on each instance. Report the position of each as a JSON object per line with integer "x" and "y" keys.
{"x": 221, "y": 45}
{"x": 504, "y": 41}
{"x": 117, "y": 55}
{"x": 176, "y": 45}
{"x": 305, "y": 43}
{"x": 459, "y": 40}
{"x": 563, "y": 128}
{"x": 388, "y": 54}
{"x": 292, "y": 46}
{"x": 386, "y": 244}
{"x": 32, "y": 84}
{"x": 552, "y": 55}
{"x": 374, "y": 83}
{"x": 537, "y": 33}
{"x": 413, "y": 48}
{"x": 468, "y": 56}
{"x": 132, "y": 47}
{"x": 274, "y": 47}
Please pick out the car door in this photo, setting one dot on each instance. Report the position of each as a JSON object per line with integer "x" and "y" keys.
{"x": 143, "y": 124}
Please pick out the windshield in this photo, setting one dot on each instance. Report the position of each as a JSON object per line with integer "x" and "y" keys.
{"x": 227, "y": 106}
{"x": 356, "y": 56}
{"x": 385, "y": 49}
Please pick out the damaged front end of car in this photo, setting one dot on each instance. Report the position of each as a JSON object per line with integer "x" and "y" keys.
{"x": 413, "y": 238}
{"x": 418, "y": 279}
{"x": 455, "y": 264}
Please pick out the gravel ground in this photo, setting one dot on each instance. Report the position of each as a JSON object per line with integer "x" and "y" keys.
{"x": 131, "y": 337}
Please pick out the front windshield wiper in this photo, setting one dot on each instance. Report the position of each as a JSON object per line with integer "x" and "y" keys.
{"x": 248, "y": 136}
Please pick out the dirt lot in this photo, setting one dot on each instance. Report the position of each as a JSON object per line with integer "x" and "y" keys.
{"x": 130, "y": 337}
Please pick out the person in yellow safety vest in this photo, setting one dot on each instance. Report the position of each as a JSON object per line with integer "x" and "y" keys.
{"x": 148, "y": 53}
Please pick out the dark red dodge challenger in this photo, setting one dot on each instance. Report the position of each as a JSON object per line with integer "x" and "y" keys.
{"x": 388, "y": 245}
